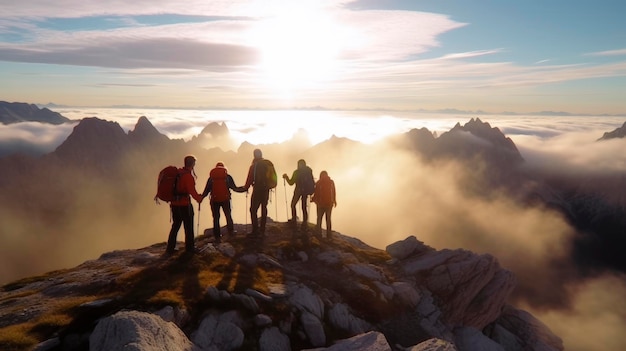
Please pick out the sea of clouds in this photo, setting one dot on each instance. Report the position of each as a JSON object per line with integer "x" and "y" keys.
{"x": 408, "y": 197}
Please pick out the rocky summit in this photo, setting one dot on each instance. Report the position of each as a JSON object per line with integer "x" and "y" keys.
{"x": 286, "y": 290}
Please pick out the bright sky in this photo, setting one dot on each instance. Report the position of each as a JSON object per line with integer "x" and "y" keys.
{"x": 494, "y": 56}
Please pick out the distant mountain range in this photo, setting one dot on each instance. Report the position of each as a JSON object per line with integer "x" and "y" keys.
{"x": 15, "y": 112}
{"x": 51, "y": 105}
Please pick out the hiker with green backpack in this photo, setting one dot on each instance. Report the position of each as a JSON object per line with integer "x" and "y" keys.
{"x": 305, "y": 186}
{"x": 262, "y": 177}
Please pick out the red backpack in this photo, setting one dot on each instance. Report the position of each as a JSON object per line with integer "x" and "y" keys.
{"x": 167, "y": 184}
{"x": 219, "y": 189}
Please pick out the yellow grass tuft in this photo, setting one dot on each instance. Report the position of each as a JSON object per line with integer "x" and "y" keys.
{"x": 17, "y": 338}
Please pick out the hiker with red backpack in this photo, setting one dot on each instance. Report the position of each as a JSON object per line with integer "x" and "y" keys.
{"x": 219, "y": 185}
{"x": 180, "y": 205}
{"x": 305, "y": 185}
{"x": 262, "y": 177}
{"x": 325, "y": 198}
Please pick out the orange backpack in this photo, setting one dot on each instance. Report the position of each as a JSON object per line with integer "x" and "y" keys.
{"x": 219, "y": 189}
{"x": 324, "y": 192}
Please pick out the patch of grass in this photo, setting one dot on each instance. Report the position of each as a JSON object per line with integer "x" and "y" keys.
{"x": 374, "y": 256}
{"x": 24, "y": 336}
{"x": 211, "y": 276}
{"x": 167, "y": 297}
{"x": 47, "y": 325}
{"x": 264, "y": 277}
{"x": 17, "y": 338}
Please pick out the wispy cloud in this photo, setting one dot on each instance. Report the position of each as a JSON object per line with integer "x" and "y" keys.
{"x": 379, "y": 57}
{"x": 464, "y": 55}
{"x": 620, "y": 52}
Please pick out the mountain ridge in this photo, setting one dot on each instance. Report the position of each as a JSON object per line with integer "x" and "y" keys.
{"x": 15, "y": 112}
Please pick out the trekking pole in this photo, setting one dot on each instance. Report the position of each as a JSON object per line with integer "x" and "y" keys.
{"x": 276, "y": 204}
{"x": 198, "y": 227}
{"x": 308, "y": 208}
{"x": 286, "y": 210}
{"x": 246, "y": 210}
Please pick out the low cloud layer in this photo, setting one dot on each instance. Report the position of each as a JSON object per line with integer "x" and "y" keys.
{"x": 32, "y": 138}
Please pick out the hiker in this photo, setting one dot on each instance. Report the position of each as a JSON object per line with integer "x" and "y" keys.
{"x": 182, "y": 210}
{"x": 262, "y": 177}
{"x": 305, "y": 185}
{"x": 325, "y": 198}
{"x": 219, "y": 185}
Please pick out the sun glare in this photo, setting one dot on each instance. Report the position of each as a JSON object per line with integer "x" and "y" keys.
{"x": 299, "y": 48}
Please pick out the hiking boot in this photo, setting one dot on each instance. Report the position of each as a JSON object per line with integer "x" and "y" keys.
{"x": 218, "y": 239}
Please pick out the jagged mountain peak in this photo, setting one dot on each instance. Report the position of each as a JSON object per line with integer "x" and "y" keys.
{"x": 294, "y": 291}
{"x": 484, "y": 131}
{"x": 145, "y": 131}
{"x": 216, "y": 129}
{"x": 618, "y": 133}
{"x": 486, "y": 140}
{"x": 94, "y": 141}
{"x": 215, "y": 135}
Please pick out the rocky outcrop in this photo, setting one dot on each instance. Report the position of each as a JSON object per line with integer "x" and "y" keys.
{"x": 336, "y": 295}
{"x": 132, "y": 330}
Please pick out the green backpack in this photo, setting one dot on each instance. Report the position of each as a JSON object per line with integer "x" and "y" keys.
{"x": 265, "y": 174}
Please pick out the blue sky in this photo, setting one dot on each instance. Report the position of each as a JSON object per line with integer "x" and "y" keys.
{"x": 493, "y": 56}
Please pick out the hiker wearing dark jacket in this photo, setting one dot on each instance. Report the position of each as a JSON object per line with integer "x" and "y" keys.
{"x": 301, "y": 174}
{"x": 219, "y": 185}
{"x": 182, "y": 210}
{"x": 260, "y": 192}
{"x": 325, "y": 198}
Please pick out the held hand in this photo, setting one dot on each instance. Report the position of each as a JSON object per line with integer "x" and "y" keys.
{"x": 285, "y": 176}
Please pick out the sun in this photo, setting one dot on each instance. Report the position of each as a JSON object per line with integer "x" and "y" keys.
{"x": 299, "y": 46}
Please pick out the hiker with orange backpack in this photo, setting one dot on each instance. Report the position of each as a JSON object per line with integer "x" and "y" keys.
{"x": 182, "y": 210}
{"x": 262, "y": 177}
{"x": 219, "y": 185}
{"x": 305, "y": 185}
{"x": 325, "y": 197}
